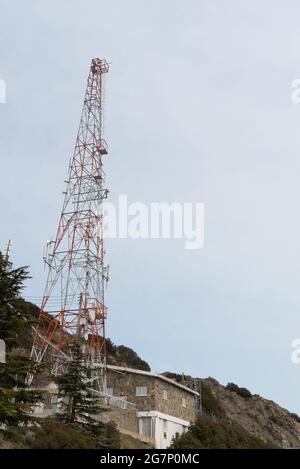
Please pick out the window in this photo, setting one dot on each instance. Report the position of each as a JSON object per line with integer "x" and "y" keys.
{"x": 165, "y": 394}
{"x": 141, "y": 391}
{"x": 184, "y": 402}
{"x": 110, "y": 391}
{"x": 147, "y": 426}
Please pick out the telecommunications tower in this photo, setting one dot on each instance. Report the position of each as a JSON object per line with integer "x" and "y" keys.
{"x": 72, "y": 307}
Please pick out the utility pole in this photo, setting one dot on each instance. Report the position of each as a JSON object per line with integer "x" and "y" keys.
{"x": 73, "y": 307}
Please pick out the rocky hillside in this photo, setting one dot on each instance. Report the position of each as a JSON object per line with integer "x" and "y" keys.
{"x": 260, "y": 417}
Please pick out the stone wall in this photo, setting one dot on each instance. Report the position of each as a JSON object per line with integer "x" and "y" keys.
{"x": 124, "y": 385}
{"x": 123, "y": 418}
{"x": 173, "y": 405}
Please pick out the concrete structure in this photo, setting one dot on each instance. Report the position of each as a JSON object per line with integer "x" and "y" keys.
{"x": 164, "y": 408}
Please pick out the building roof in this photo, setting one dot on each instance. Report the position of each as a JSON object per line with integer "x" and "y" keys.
{"x": 121, "y": 369}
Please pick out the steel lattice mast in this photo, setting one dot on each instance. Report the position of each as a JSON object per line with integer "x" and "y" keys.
{"x": 73, "y": 303}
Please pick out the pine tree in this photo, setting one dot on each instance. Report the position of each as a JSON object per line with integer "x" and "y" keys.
{"x": 111, "y": 437}
{"x": 16, "y": 402}
{"x": 78, "y": 405}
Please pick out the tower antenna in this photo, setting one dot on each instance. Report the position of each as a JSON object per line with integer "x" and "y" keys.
{"x": 72, "y": 307}
{"x": 7, "y": 251}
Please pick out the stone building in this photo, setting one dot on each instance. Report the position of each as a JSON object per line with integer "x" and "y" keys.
{"x": 151, "y": 405}
{"x": 145, "y": 405}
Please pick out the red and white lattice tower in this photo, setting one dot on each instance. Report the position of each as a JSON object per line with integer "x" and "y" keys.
{"x": 73, "y": 303}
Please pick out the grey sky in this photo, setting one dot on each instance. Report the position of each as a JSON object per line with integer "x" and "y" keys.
{"x": 198, "y": 108}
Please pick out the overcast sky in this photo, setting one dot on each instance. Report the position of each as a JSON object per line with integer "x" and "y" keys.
{"x": 197, "y": 109}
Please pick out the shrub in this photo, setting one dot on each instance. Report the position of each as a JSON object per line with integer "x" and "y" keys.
{"x": 53, "y": 434}
{"x": 13, "y": 435}
{"x": 243, "y": 392}
{"x": 108, "y": 436}
{"x": 295, "y": 417}
{"x": 208, "y": 434}
{"x": 122, "y": 355}
{"x": 210, "y": 405}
